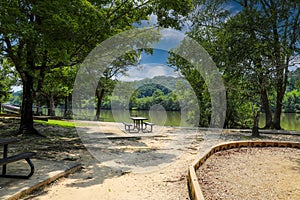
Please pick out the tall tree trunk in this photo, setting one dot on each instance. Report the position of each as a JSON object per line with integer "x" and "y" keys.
{"x": 281, "y": 87}
{"x": 38, "y": 110}
{"x": 26, "y": 125}
{"x": 99, "y": 96}
{"x": 266, "y": 106}
{"x": 68, "y": 110}
{"x": 264, "y": 95}
{"x": 70, "y": 101}
{"x": 280, "y": 75}
{"x": 262, "y": 75}
{"x": 51, "y": 105}
{"x": 66, "y": 106}
{"x": 255, "y": 129}
{"x": 277, "y": 115}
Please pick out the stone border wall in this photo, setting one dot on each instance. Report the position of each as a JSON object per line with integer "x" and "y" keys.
{"x": 193, "y": 184}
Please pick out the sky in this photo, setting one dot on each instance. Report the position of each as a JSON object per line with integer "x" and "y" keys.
{"x": 155, "y": 64}
{"x": 16, "y": 88}
{"x": 150, "y": 66}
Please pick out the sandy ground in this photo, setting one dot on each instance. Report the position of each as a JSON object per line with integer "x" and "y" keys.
{"x": 142, "y": 166}
{"x": 125, "y": 166}
{"x": 98, "y": 182}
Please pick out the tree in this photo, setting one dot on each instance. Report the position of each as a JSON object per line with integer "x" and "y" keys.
{"x": 291, "y": 102}
{"x": 283, "y": 34}
{"x": 246, "y": 54}
{"x": 105, "y": 87}
{"x": 294, "y": 80}
{"x": 254, "y": 46}
{"x": 273, "y": 27}
{"x": 57, "y": 86}
{"x": 106, "y": 84}
{"x": 206, "y": 21}
{"x": 147, "y": 90}
{"x": 198, "y": 85}
{"x": 38, "y": 36}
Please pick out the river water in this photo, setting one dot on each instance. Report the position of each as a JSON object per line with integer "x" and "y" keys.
{"x": 289, "y": 121}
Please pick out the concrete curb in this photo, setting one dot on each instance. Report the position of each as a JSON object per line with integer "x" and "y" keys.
{"x": 27, "y": 191}
{"x": 193, "y": 184}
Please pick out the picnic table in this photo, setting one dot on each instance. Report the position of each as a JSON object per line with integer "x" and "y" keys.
{"x": 138, "y": 125}
{"x": 138, "y": 122}
{"x": 5, "y": 160}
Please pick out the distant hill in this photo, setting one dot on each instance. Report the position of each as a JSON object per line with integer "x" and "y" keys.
{"x": 167, "y": 81}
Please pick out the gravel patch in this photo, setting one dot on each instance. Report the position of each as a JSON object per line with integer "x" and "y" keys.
{"x": 251, "y": 173}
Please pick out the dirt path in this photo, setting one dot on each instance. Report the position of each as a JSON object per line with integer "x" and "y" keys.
{"x": 161, "y": 180}
{"x": 135, "y": 166}
{"x": 99, "y": 182}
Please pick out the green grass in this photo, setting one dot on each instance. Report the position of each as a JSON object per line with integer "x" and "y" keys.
{"x": 53, "y": 122}
{"x": 64, "y": 123}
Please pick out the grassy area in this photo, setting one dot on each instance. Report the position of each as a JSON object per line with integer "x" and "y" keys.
{"x": 65, "y": 123}
{"x": 53, "y": 122}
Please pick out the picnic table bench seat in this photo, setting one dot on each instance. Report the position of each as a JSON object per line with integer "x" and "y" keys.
{"x": 10, "y": 159}
{"x": 128, "y": 126}
{"x": 149, "y": 124}
{"x": 26, "y": 156}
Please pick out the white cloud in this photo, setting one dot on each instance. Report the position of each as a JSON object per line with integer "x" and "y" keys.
{"x": 153, "y": 20}
{"x": 170, "y": 39}
{"x": 148, "y": 70}
{"x": 16, "y": 88}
